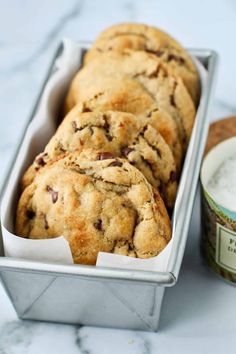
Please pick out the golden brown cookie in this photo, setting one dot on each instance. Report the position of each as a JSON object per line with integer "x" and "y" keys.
{"x": 121, "y": 134}
{"x": 97, "y": 205}
{"x": 168, "y": 91}
{"x": 137, "y": 36}
{"x": 128, "y": 95}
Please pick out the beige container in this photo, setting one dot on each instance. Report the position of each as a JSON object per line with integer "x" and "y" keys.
{"x": 218, "y": 221}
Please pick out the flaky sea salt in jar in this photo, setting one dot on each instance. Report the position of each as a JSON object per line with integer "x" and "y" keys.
{"x": 218, "y": 177}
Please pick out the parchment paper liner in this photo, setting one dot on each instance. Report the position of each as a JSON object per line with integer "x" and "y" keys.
{"x": 41, "y": 128}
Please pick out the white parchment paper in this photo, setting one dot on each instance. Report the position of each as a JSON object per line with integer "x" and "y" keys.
{"x": 41, "y": 128}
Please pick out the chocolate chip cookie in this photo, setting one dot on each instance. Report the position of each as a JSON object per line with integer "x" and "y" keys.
{"x": 128, "y": 95}
{"x": 97, "y": 205}
{"x": 168, "y": 91}
{"x": 121, "y": 134}
{"x": 152, "y": 40}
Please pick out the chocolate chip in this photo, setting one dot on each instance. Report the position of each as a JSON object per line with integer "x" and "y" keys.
{"x": 40, "y": 161}
{"x": 105, "y": 156}
{"x": 180, "y": 60}
{"x": 46, "y": 226}
{"x": 172, "y": 100}
{"x": 144, "y": 129}
{"x": 172, "y": 96}
{"x": 98, "y": 224}
{"x": 173, "y": 176}
{"x": 116, "y": 163}
{"x": 106, "y": 126}
{"x": 126, "y": 151}
{"x": 86, "y": 109}
{"x": 109, "y": 137}
{"x": 158, "y": 151}
{"x": 53, "y": 193}
{"x": 30, "y": 214}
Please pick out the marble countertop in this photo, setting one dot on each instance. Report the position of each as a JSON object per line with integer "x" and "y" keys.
{"x": 199, "y": 313}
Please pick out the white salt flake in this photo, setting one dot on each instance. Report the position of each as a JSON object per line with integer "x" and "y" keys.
{"x": 222, "y": 185}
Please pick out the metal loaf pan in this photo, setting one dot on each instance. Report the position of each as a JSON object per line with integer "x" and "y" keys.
{"x": 96, "y": 296}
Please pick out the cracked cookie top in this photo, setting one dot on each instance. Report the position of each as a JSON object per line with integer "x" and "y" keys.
{"x": 128, "y": 95}
{"x": 152, "y": 40}
{"x": 100, "y": 204}
{"x": 120, "y": 134}
{"x": 167, "y": 90}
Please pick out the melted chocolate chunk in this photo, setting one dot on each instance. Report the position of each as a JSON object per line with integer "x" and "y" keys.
{"x": 98, "y": 224}
{"x": 172, "y": 100}
{"x": 126, "y": 151}
{"x": 40, "y": 161}
{"x": 158, "y": 151}
{"x": 53, "y": 193}
{"x": 105, "y": 155}
{"x": 86, "y": 109}
{"x": 144, "y": 129}
{"x": 109, "y": 137}
{"x": 173, "y": 176}
{"x": 116, "y": 163}
{"x": 176, "y": 58}
{"x": 30, "y": 214}
{"x": 172, "y": 96}
{"x": 106, "y": 127}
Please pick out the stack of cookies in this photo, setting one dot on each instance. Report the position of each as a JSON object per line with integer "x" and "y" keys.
{"x": 107, "y": 180}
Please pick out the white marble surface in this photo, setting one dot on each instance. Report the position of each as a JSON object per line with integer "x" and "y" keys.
{"x": 199, "y": 313}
